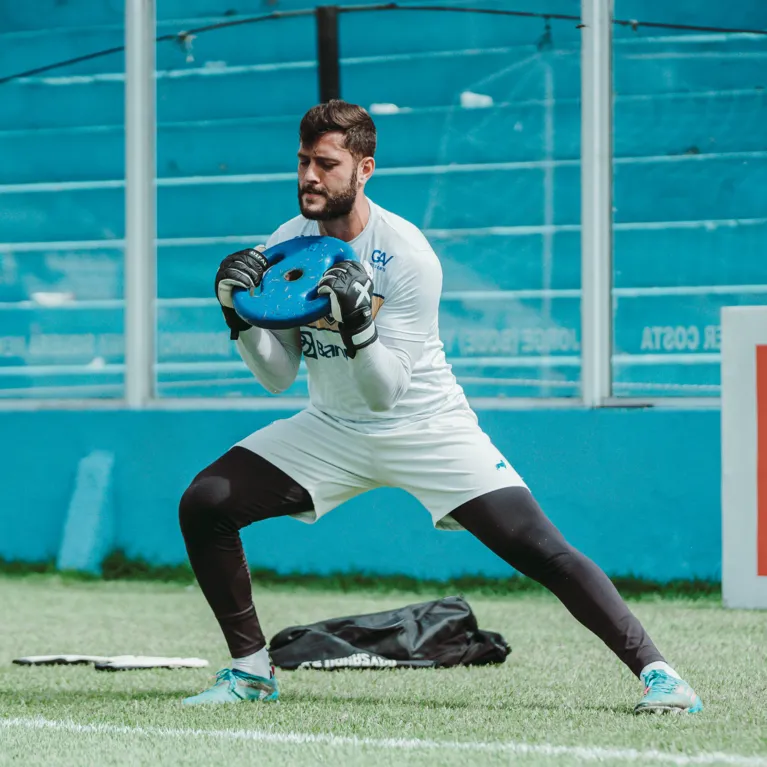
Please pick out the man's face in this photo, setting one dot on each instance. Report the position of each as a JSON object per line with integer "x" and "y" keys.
{"x": 327, "y": 179}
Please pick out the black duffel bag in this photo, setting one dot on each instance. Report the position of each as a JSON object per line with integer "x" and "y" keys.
{"x": 441, "y": 633}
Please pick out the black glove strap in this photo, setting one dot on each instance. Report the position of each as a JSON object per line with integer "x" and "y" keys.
{"x": 235, "y": 322}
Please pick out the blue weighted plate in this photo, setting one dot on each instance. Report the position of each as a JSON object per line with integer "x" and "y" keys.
{"x": 287, "y": 296}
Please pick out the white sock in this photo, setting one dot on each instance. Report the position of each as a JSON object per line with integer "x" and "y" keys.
{"x": 257, "y": 664}
{"x": 659, "y": 664}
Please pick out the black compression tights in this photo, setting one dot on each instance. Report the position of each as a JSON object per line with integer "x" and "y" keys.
{"x": 512, "y": 524}
{"x": 241, "y": 487}
{"x": 234, "y": 491}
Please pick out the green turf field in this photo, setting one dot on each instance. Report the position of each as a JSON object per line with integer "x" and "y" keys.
{"x": 561, "y": 698}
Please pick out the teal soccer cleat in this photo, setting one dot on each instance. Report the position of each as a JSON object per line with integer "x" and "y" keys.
{"x": 234, "y": 686}
{"x": 665, "y": 693}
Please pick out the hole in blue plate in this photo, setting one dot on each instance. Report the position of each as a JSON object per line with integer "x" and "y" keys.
{"x": 293, "y": 274}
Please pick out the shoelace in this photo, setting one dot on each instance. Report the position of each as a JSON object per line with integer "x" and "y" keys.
{"x": 661, "y": 682}
{"x": 225, "y": 676}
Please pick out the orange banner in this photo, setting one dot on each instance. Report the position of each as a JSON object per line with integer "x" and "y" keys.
{"x": 761, "y": 460}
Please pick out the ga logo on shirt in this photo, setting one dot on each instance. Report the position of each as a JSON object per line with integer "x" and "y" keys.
{"x": 379, "y": 259}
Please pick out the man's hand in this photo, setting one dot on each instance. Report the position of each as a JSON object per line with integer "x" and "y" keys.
{"x": 350, "y": 288}
{"x": 243, "y": 269}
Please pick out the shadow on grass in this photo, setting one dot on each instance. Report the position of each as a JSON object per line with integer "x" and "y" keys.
{"x": 290, "y": 697}
{"x": 79, "y": 702}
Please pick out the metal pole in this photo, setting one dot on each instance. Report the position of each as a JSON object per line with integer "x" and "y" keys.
{"x": 596, "y": 200}
{"x": 548, "y": 213}
{"x": 329, "y": 67}
{"x": 140, "y": 201}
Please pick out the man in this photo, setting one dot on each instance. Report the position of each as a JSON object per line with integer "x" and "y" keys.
{"x": 385, "y": 410}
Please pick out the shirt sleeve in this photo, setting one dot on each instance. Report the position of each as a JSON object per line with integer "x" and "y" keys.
{"x": 273, "y": 356}
{"x": 406, "y": 319}
{"x": 274, "y": 238}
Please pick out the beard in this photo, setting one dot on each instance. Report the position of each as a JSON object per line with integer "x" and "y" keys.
{"x": 336, "y": 205}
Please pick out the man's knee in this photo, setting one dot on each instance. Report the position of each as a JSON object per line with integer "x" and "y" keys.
{"x": 236, "y": 490}
{"x": 205, "y": 505}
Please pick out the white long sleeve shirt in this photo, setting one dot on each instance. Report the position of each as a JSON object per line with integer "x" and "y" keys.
{"x": 403, "y": 375}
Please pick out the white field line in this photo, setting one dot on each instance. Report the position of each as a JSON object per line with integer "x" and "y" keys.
{"x": 586, "y": 753}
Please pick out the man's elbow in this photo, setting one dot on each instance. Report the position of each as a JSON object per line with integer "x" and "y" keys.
{"x": 382, "y": 405}
{"x": 383, "y": 401}
{"x": 275, "y": 385}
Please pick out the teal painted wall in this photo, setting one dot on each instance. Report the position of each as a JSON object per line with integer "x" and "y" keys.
{"x": 636, "y": 490}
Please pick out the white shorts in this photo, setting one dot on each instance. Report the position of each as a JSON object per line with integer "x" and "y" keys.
{"x": 443, "y": 460}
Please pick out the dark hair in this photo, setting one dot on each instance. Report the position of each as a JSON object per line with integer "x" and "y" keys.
{"x": 350, "y": 119}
